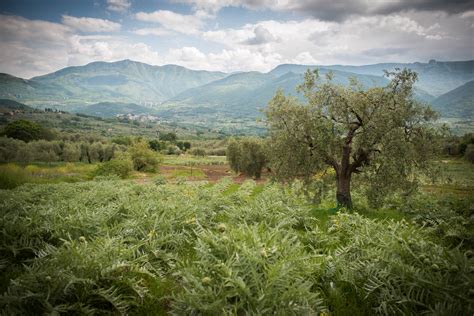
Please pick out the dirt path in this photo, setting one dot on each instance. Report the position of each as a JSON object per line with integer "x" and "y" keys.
{"x": 212, "y": 173}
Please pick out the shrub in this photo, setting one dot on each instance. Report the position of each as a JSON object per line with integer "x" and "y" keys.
{"x": 156, "y": 145}
{"x": 9, "y": 148}
{"x": 12, "y": 176}
{"x": 184, "y": 146}
{"x": 27, "y": 131}
{"x": 198, "y": 152}
{"x": 247, "y": 155}
{"x": 168, "y": 137}
{"x": 159, "y": 180}
{"x": 469, "y": 153}
{"x": 173, "y": 150}
{"x": 117, "y": 167}
{"x": 143, "y": 158}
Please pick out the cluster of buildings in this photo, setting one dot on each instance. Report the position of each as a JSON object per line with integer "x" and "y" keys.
{"x": 138, "y": 117}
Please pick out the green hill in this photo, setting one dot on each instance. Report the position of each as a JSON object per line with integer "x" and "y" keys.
{"x": 14, "y": 88}
{"x": 458, "y": 102}
{"x": 434, "y": 77}
{"x": 10, "y": 105}
{"x": 245, "y": 94}
{"x": 126, "y": 81}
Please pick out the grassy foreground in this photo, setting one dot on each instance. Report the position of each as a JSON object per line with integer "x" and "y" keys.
{"x": 117, "y": 247}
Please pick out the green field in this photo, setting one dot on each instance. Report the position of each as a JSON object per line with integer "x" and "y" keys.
{"x": 121, "y": 247}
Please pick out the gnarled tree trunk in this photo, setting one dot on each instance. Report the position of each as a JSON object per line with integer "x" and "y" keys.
{"x": 343, "y": 193}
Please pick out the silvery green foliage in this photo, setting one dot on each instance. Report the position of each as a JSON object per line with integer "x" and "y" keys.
{"x": 116, "y": 247}
{"x": 380, "y": 135}
{"x": 395, "y": 268}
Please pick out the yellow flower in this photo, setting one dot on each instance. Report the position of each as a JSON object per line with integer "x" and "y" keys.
{"x": 206, "y": 280}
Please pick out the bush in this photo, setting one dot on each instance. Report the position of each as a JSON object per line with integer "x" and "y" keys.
{"x": 247, "y": 155}
{"x": 184, "y": 146}
{"x": 156, "y": 145}
{"x": 173, "y": 150}
{"x": 198, "y": 152}
{"x": 9, "y": 148}
{"x": 159, "y": 180}
{"x": 469, "y": 153}
{"x": 168, "y": 137}
{"x": 12, "y": 176}
{"x": 117, "y": 167}
{"x": 143, "y": 158}
{"x": 27, "y": 131}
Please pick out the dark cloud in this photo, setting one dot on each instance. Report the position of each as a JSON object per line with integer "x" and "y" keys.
{"x": 337, "y": 10}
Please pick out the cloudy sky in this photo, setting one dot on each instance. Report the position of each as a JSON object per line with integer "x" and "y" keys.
{"x": 40, "y": 36}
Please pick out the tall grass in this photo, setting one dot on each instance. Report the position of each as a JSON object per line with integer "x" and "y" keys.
{"x": 13, "y": 175}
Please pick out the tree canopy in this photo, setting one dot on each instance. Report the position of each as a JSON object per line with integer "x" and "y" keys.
{"x": 381, "y": 133}
{"x": 27, "y": 131}
{"x": 247, "y": 155}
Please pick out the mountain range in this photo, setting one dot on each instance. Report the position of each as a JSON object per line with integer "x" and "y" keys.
{"x": 126, "y": 86}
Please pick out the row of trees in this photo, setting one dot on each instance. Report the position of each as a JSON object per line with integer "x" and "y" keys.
{"x": 52, "y": 151}
{"x": 381, "y": 135}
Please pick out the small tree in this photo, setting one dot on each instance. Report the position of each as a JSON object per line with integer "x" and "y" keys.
{"x": 381, "y": 133}
{"x": 198, "y": 152}
{"x": 71, "y": 152}
{"x": 143, "y": 158}
{"x": 118, "y": 167}
{"x": 247, "y": 156}
{"x": 184, "y": 146}
{"x": 27, "y": 131}
{"x": 168, "y": 137}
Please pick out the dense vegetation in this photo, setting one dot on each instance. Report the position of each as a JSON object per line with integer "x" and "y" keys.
{"x": 114, "y": 246}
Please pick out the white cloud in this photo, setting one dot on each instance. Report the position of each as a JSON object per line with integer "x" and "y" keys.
{"x": 33, "y": 47}
{"x": 90, "y": 25}
{"x": 118, "y": 5}
{"x": 357, "y": 40}
{"x": 226, "y": 60}
{"x": 187, "y": 24}
{"x": 304, "y": 58}
{"x": 157, "y": 31}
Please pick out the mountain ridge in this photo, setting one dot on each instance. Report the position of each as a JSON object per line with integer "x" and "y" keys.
{"x": 177, "y": 89}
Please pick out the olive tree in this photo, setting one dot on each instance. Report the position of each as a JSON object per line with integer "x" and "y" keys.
{"x": 381, "y": 133}
{"x": 247, "y": 155}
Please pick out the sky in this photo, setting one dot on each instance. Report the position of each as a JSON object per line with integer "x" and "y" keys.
{"x": 39, "y": 36}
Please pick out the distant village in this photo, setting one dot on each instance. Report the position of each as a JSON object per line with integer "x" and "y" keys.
{"x": 138, "y": 117}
